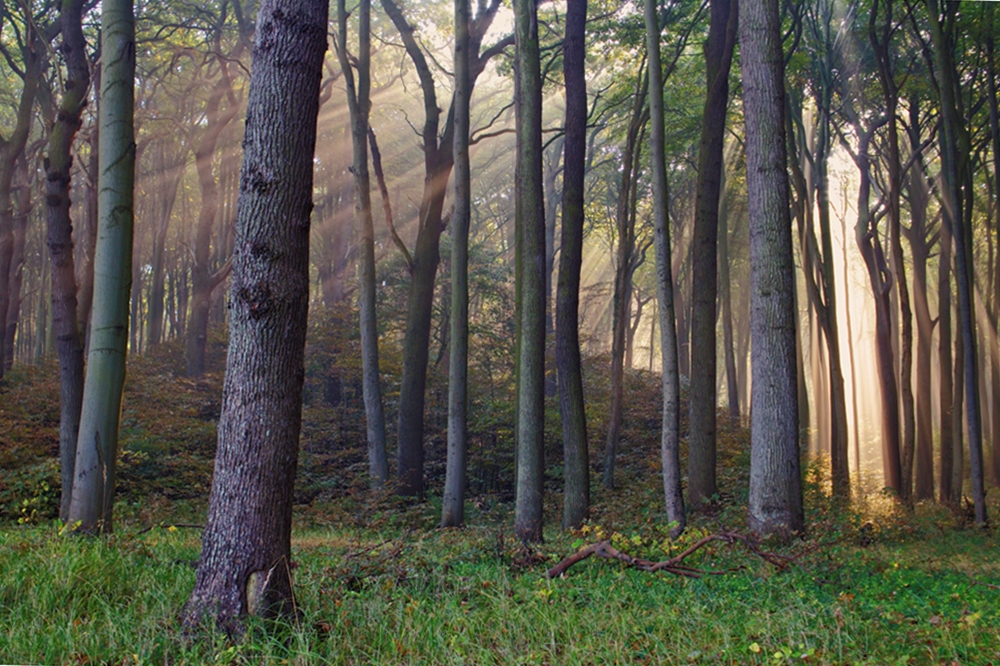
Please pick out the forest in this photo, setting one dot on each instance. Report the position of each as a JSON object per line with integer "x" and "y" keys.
{"x": 507, "y": 331}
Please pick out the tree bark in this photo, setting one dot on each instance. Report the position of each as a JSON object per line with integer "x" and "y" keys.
{"x": 97, "y": 444}
{"x": 58, "y": 165}
{"x": 775, "y": 504}
{"x": 703, "y": 399}
{"x": 670, "y": 425}
{"x": 530, "y": 220}
{"x": 244, "y": 568}
{"x": 359, "y": 105}
{"x": 453, "y": 504}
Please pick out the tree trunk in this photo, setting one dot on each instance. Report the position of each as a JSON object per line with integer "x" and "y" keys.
{"x": 948, "y": 493}
{"x": 58, "y": 164}
{"x": 453, "y": 504}
{"x": 576, "y": 456}
{"x": 359, "y": 105}
{"x": 97, "y": 445}
{"x": 530, "y": 219}
{"x": 625, "y": 228}
{"x": 20, "y": 227}
{"x": 775, "y": 504}
{"x": 203, "y": 280}
{"x": 726, "y": 301}
{"x": 670, "y": 427}
{"x": 703, "y": 399}
{"x": 244, "y": 568}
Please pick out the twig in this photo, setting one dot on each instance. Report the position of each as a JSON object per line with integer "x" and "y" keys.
{"x": 675, "y": 565}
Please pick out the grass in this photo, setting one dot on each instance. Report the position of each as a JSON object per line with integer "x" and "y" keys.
{"x": 916, "y": 593}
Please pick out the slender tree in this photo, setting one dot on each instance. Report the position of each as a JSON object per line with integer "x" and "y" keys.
{"x": 704, "y": 253}
{"x": 670, "y": 434}
{"x": 359, "y": 105}
{"x": 576, "y": 456}
{"x": 530, "y": 213}
{"x": 244, "y": 568}
{"x": 97, "y": 444}
{"x": 775, "y": 483}
{"x": 453, "y": 505}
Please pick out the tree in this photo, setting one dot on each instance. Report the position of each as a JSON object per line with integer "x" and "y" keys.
{"x": 58, "y": 165}
{"x": 704, "y": 253}
{"x": 453, "y": 506}
{"x": 775, "y": 504}
{"x": 670, "y": 433}
{"x": 359, "y": 105}
{"x": 438, "y": 161}
{"x": 244, "y": 568}
{"x": 576, "y": 455}
{"x": 530, "y": 221}
{"x": 100, "y": 412}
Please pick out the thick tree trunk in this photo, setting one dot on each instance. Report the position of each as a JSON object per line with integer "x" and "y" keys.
{"x": 244, "y": 568}
{"x": 530, "y": 219}
{"x": 775, "y": 504}
{"x": 97, "y": 445}
{"x": 453, "y": 504}
{"x": 670, "y": 424}
{"x": 703, "y": 400}
{"x": 947, "y": 492}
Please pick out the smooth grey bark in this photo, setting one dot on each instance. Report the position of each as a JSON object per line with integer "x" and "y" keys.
{"x": 90, "y": 508}
{"x": 775, "y": 504}
{"x": 59, "y": 229}
{"x": 530, "y": 221}
{"x": 359, "y": 106}
{"x": 950, "y": 411}
{"x": 244, "y": 568}
{"x": 576, "y": 455}
{"x": 670, "y": 429}
{"x": 704, "y": 255}
{"x": 453, "y": 504}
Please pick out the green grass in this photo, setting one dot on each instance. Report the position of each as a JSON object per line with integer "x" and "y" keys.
{"x": 917, "y": 593}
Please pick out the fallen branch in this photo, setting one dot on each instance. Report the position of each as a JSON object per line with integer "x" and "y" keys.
{"x": 675, "y": 565}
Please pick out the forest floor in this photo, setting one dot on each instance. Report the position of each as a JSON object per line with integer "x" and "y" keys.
{"x": 870, "y": 583}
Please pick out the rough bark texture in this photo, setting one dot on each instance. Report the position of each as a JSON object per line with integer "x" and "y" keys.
{"x": 576, "y": 458}
{"x": 244, "y": 564}
{"x": 530, "y": 220}
{"x": 100, "y": 413}
{"x": 453, "y": 505}
{"x": 58, "y": 163}
{"x": 670, "y": 429}
{"x": 359, "y": 106}
{"x": 775, "y": 504}
{"x": 704, "y": 255}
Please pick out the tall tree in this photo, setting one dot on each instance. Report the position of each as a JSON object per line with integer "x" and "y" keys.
{"x": 11, "y": 154}
{"x": 97, "y": 444}
{"x": 530, "y": 221}
{"x": 438, "y": 161}
{"x": 704, "y": 254}
{"x": 775, "y": 482}
{"x": 670, "y": 433}
{"x": 58, "y": 166}
{"x": 359, "y": 104}
{"x": 955, "y": 153}
{"x": 453, "y": 505}
{"x": 576, "y": 455}
{"x": 244, "y": 568}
